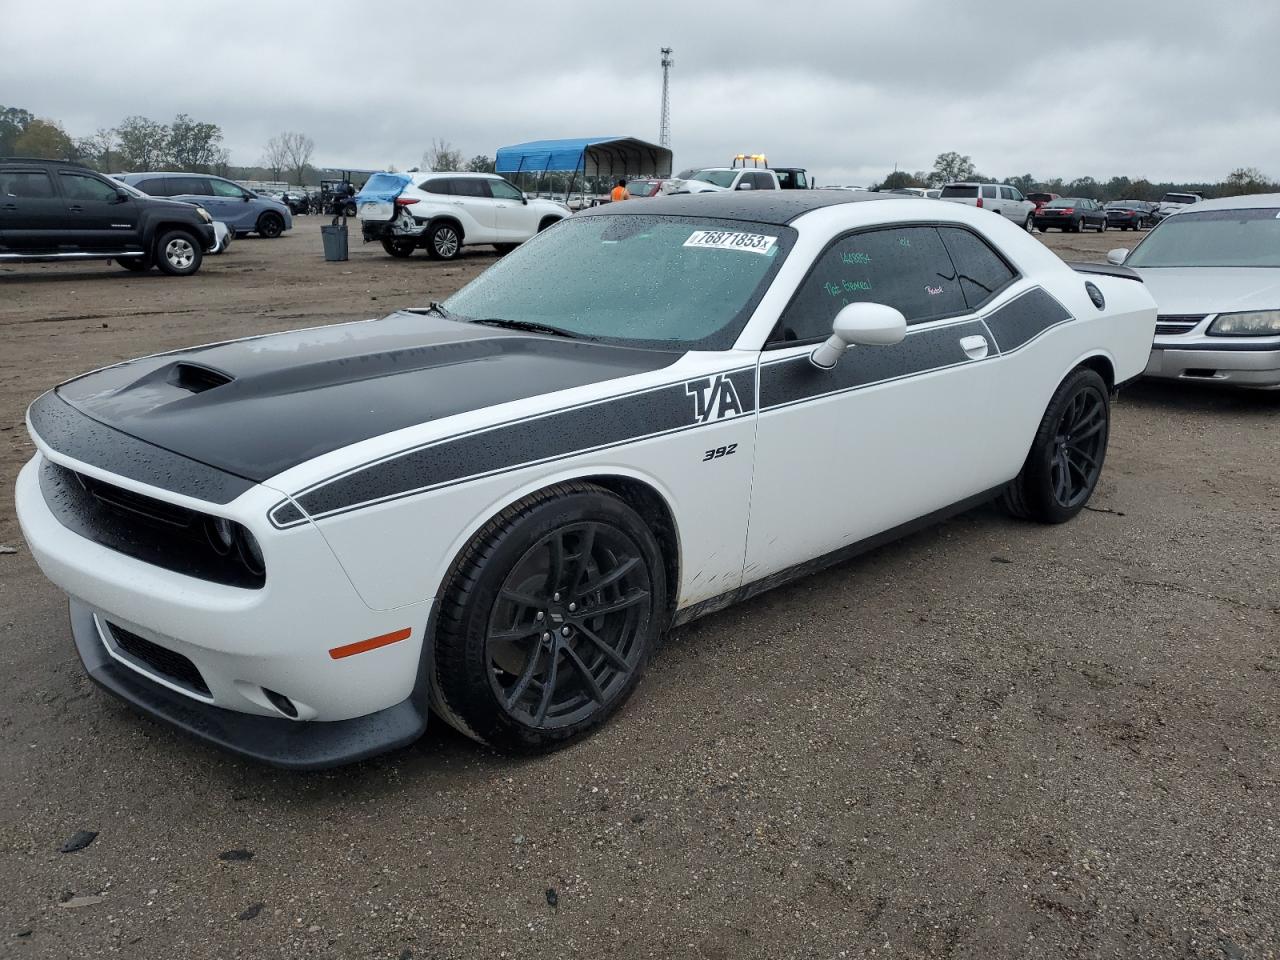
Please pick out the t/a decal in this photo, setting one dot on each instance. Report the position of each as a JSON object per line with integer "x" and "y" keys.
{"x": 714, "y": 398}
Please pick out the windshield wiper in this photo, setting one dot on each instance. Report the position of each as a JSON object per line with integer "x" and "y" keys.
{"x": 528, "y": 325}
{"x": 438, "y": 308}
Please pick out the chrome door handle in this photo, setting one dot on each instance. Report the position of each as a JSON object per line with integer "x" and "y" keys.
{"x": 975, "y": 347}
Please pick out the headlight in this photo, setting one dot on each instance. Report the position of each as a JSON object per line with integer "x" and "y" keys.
{"x": 250, "y": 552}
{"x": 222, "y": 534}
{"x": 203, "y": 214}
{"x": 1253, "y": 323}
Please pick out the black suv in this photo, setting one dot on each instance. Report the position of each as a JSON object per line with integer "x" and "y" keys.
{"x": 54, "y": 210}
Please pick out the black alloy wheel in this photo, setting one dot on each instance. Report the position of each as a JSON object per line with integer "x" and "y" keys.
{"x": 1065, "y": 462}
{"x": 443, "y": 242}
{"x": 547, "y": 619}
{"x": 270, "y": 225}
{"x": 567, "y": 631}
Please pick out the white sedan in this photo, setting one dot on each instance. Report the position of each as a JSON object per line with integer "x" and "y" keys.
{"x": 296, "y": 545}
{"x": 1214, "y": 270}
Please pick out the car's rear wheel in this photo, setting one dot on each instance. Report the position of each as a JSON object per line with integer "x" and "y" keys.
{"x": 1065, "y": 462}
{"x": 270, "y": 225}
{"x": 350, "y": 209}
{"x": 178, "y": 253}
{"x": 135, "y": 264}
{"x": 444, "y": 242}
{"x": 398, "y": 248}
{"x": 548, "y": 619}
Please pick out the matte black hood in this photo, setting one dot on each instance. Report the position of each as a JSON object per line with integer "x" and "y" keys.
{"x": 259, "y": 406}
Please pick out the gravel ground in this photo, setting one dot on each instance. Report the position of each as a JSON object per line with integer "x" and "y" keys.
{"x": 988, "y": 740}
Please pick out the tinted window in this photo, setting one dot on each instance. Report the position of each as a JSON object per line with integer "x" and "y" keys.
{"x": 189, "y": 186}
{"x": 438, "y": 185}
{"x": 989, "y": 192}
{"x": 764, "y": 182}
{"x": 904, "y": 267}
{"x": 1006, "y": 193}
{"x": 20, "y": 183}
{"x": 502, "y": 190}
{"x": 155, "y": 187}
{"x": 470, "y": 187}
{"x": 967, "y": 192}
{"x": 224, "y": 188}
{"x": 981, "y": 271}
{"x": 78, "y": 186}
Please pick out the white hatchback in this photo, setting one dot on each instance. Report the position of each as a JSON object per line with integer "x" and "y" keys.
{"x": 444, "y": 212}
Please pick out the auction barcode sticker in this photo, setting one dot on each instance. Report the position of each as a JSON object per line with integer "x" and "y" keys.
{"x": 726, "y": 240}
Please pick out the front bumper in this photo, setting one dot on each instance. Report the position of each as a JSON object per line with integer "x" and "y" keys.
{"x": 243, "y": 646}
{"x": 1235, "y": 365}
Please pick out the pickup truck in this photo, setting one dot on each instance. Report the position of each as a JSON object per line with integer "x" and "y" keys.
{"x": 722, "y": 179}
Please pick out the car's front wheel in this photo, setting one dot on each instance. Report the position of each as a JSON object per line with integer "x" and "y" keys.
{"x": 444, "y": 242}
{"x": 548, "y": 619}
{"x": 1065, "y": 462}
{"x": 1028, "y": 224}
{"x": 270, "y": 225}
{"x": 398, "y": 248}
{"x": 178, "y": 253}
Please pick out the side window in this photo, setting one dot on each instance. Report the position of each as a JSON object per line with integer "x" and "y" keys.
{"x": 1017, "y": 194}
{"x": 903, "y": 267}
{"x": 1006, "y": 193}
{"x": 470, "y": 187}
{"x": 982, "y": 272}
{"x": 77, "y": 186}
{"x": 502, "y": 190}
{"x": 26, "y": 184}
{"x": 155, "y": 187}
{"x": 438, "y": 185}
{"x": 224, "y": 188}
{"x": 189, "y": 186}
{"x": 802, "y": 182}
{"x": 764, "y": 182}
{"x": 989, "y": 192}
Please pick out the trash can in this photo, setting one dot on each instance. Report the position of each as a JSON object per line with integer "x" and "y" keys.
{"x": 335, "y": 240}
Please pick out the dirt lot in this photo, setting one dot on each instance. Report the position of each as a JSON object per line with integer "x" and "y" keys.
{"x": 989, "y": 740}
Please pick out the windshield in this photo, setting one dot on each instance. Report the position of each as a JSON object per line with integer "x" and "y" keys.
{"x": 1217, "y": 238}
{"x": 1062, "y": 202}
{"x": 646, "y": 281}
{"x": 1178, "y": 198}
{"x": 721, "y": 178}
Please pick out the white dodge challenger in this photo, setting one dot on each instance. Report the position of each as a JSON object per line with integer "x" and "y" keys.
{"x": 297, "y": 546}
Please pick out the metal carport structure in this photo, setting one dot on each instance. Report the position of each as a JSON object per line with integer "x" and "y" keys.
{"x": 585, "y": 159}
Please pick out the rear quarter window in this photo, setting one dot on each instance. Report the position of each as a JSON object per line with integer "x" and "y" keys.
{"x": 959, "y": 192}
{"x": 981, "y": 271}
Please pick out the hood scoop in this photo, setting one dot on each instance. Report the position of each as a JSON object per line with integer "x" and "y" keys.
{"x": 195, "y": 378}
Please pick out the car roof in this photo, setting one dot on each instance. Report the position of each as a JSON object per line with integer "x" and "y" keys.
{"x": 167, "y": 173}
{"x": 69, "y": 164}
{"x": 458, "y": 173}
{"x": 767, "y": 206}
{"x": 1252, "y": 201}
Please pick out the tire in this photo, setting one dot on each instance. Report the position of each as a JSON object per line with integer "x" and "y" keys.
{"x": 178, "y": 253}
{"x": 505, "y": 248}
{"x": 136, "y": 264}
{"x": 1027, "y": 224}
{"x": 399, "y": 249}
{"x": 1071, "y": 443}
{"x": 1078, "y": 226}
{"x": 444, "y": 242}
{"x": 349, "y": 210}
{"x": 493, "y": 654}
{"x": 270, "y": 225}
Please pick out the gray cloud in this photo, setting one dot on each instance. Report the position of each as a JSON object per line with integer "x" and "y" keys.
{"x": 1152, "y": 89}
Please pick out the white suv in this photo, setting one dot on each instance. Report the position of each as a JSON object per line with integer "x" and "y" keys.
{"x": 1003, "y": 199}
{"x": 722, "y": 179}
{"x": 446, "y": 211}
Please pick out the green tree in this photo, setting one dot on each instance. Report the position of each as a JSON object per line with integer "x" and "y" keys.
{"x": 13, "y": 123}
{"x": 1247, "y": 180}
{"x": 950, "y": 167}
{"x": 193, "y": 145}
{"x": 899, "y": 179}
{"x": 144, "y": 143}
{"x": 480, "y": 164}
{"x": 45, "y": 138}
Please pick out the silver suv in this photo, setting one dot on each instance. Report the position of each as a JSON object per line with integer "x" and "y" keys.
{"x": 1000, "y": 197}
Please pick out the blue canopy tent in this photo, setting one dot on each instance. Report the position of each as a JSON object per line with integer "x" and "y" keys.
{"x": 585, "y": 159}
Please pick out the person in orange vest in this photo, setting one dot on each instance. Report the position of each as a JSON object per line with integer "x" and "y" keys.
{"x": 620, "y": 192}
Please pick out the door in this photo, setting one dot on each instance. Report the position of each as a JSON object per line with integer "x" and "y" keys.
{"x": 189, "y": 189}
{"x": 890, "y": 434}
{"x": 515, "y": 220}
{"x": 32, "y": 214}
{"x": 230, "y": 203}
{"x": 475, "y": 208}
{"x": 101, "y": 217}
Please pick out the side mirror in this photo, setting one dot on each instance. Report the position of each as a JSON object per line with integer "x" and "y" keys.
{"x": 860, "y": 324}
{"x": 121, "y": 197}
{"x": 744, "y": 185}
{"x": 1118, "y": 256}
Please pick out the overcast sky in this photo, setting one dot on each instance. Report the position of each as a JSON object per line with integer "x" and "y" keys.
{"x": 1166, "y": 89}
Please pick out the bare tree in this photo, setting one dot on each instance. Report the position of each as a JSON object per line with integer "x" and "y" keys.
{"x": 298, "y": 148}
{"x": 442, "y": 156}
{"x": 274, "y": 156}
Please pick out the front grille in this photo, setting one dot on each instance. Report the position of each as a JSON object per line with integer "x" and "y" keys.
{"x": 170, "y": 665}
{"x": 1172, "y": 325}
{"x": 142, "y": 527}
